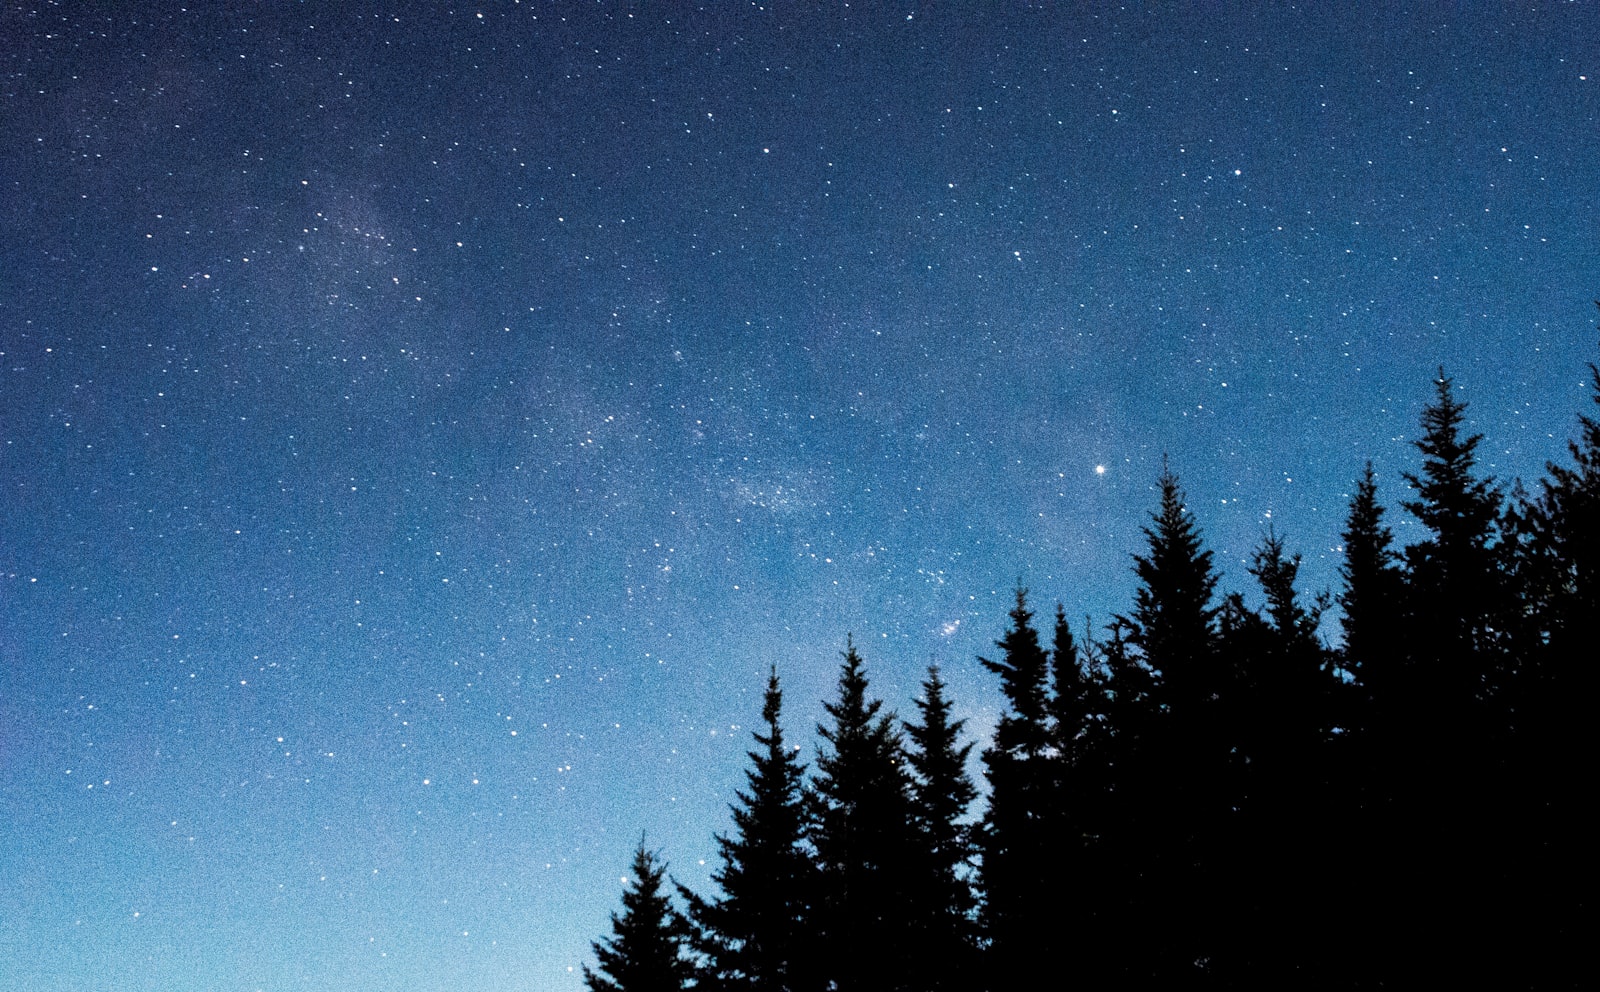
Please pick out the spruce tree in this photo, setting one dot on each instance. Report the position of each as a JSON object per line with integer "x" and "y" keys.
{"x": 1078, "y": 854}
{"x": 757, "y": 935}
{"x": 1277, "y": 840}
{"x": 1446, "y": 734}
{"x": 1453, "y": 574}
{"x": 1017, "y": 838}
{"x": 1024, "y": 669}
{"x": 943, "y": 903}
{"x": 1558, "y": 583}
{"x": 1559, "y": 553}
{"x": 1371, "y": 769}
{"x": 1074, "y": 703}
{"x": 1295, "y": 681}
{"x": 645, "y": 950}
{"x": 1371, "y": 602}
{"x": 863, "y": 832}
{"x": 1173, "y": 621}
{"x": 1129, "y": 810}
{"x": 1180, "y": 800}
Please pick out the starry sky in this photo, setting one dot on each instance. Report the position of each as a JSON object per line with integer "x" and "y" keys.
{"x": 421, "y": 426}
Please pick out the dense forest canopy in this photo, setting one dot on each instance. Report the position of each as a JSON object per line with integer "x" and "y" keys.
{"x": 1201, "y": 792}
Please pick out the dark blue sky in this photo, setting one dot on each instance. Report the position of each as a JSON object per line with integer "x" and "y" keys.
{"x": 420, "y": 428}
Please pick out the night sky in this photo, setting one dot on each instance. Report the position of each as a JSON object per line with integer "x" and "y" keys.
{"x": 421, "y": 428}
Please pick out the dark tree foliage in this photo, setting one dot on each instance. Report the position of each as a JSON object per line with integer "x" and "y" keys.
{"x": 1081, "y": 843}
{"x": 757, "y": 935}
{"x": 1556, "y": 566}
{"x": 943, "y": 901}
{"x": 1173, "y": 621}
{"x": 1024, "y": 670}
{"x": 1371, "y": 600}
{"x": 863, "y": 834}
{"x": 1075, "y": 704}
{"x": 1557, "y": 560}
{"x": 1208, "y": 794}
{"x": 1176, "y": 794}
{"x": 1277, "y": 841}
{"x": 1375, "y": 712}
{"x": 1018, "y": 834}
{"x": 1442, "y": 783}
{"x": 1290, "y": 685}
{"x": 1453, "y": 577}
{"x": 645, "y": 950}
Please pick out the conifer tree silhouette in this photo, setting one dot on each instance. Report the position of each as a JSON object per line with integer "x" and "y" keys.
{"x": 1557, "y": 574}
{"x": 1180, "y": 801}
{"x": 943, "y": 902}
{"x": 645, "y": 950}
{"x": 1207, "y": 794}
{"x": 758, "y": 934}
{"x": 1453, "y": 573}
{"x": 863, "y": 834}
{"x": 1277, "y": 709}
{"x": 1372, "y": 605}
{"x": 1017, "y": 840}
{"x": 1446, "y": 734}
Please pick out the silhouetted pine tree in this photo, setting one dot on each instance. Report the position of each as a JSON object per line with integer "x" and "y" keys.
{"x": 864, "y": 836}
{"x": 1375, "y": 714}
{"x": 645, "y": 951}
{"x": 1444, "y": 736}
{"x": 1569, "y": 510}
{"x": 1077, "y": 814}
{"x": 1174, "y": 623}
{"x": 1277, "y": 710}
{"x": 1293, "y": 687}
{"x": 1557, "y": 569}
{"x": 1372, "y": 604}
{"x": 1017, "y": 841}
{"x": 1455, "y": 583}
{"x": 1075, "y": 703}
{"x": 758, "y": 934}
{"x": 1127, "y": 809}
{"x": 943, "y": 902}
{"x": 1180, "y": 798}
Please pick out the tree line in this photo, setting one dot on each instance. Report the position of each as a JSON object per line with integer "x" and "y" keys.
{"x": 1201, "y": 793}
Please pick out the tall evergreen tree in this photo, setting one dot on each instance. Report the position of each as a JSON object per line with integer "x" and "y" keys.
{"x": 1278, "y": 720}
{"x": 1181, "y": 802}
{"x": 1296, "y": 680}
{"x": 1123, "y": 821}
{"x": 1557, "y": 567}
{"x": 1559, "y": 531}
{"x": 864, "y": 835}
{"x": 1017, "y": 838}
{"x": 944, "y": 904}
{"x": 1024, "y": 671}
{"x": 1173, "y": 621}
{"x": 1075, "y": 868}
{"x": 757, "y": 935}
{"x": 1374, "y": 716}
{"x": 1074, "y": 704}
{"x": 1371, "y": 602}
{"x": 645, "y": 950}
{"x": 1445, "y": 737}
{"x": 1453, "y": 574}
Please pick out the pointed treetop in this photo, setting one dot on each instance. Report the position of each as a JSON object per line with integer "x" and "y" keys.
{"x": 1276, "y": 571}
{"x": 1023, "y": 667}
{"x": 1459, "y": 508}
{"x": 644, "y": 953}
{"x": 1173, "y": 617}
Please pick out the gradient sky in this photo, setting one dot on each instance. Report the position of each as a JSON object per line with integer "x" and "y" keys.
{"x": 421, "y": 427}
